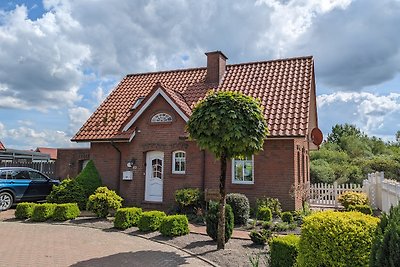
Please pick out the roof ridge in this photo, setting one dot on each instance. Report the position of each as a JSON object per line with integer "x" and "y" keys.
{"x": 228, "y": 65}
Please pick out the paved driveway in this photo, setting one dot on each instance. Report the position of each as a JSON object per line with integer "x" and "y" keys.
{"x": 34, "y": 244}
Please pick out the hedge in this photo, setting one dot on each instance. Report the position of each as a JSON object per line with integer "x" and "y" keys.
{"x": 287, "y": 217}
{"x": 353, "y": 198}
{"x": 240, "y": 206}
{"x": 264, "y": 214}
{"x": 69, "y": 191}
{"x": 127, "y": 217}
{"x": 336, "y": 239}
{"x": 284, "y": 250}
{"x": 212, "y": 221}
{"x": 174, "y": 225}
{"x": 151, "y": 220}
{"x": 103, "y": 200}
{"x": 43, "y": 212}
{"x": 67, "y": 211}
{"x": 24, "y": 210}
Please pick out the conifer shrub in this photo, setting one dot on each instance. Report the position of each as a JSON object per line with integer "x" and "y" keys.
{"x": 24, "y": 210}
{"x": 150, "y": 221}
{"x": 284, "y": 251}
{"x": 331, "y": 238}
{"x": 385, "y": 251}
{"x": 174, "y": 225}
{"x": 287, "y": 217}
{"x": 127, "y": 217}
{"x": 103, "y": 201}
{"x": 66, "y": 211}
{"x": 352, "y": 198}
{"x": 69, "y": 191}
{"x": 89, "y": 178}
{"x": 264, "y": 214}
{"x": 240, "y": 206}
{"x": 212, "y": 221}
{"x": 366, "y": 209}
{"x": 43, "y": 212}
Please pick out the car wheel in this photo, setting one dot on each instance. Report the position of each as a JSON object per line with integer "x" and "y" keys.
{"x": 6, "y": 200}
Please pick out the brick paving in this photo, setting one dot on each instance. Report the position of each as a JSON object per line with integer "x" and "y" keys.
{"x": 42, "y": 244}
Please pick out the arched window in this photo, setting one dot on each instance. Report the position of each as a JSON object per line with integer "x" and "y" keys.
{"x": 161, "y": 117}
{"x": 179, "y": 162}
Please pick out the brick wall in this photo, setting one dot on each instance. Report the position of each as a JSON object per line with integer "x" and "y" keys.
{"x": 69, "y": 161}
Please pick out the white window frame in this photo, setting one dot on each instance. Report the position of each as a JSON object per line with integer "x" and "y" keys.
{"x": 234, "y": 181}
{"x": 173, "y": 162}
{"x": 163, "y": 115}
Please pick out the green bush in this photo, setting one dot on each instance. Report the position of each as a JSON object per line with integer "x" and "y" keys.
{"x": 283, "y": 226}
{"x": 287, "y": 217}
{"x": 67, "y": 211}
{"x": 89, "y": 179}
{"x": 24, "y": 210}
{"x": 267, "y": 225}
{"x": 127, "y": 217}
{"x": 174, "y": 225}
{"x": 284, "y": 251}
{"x": 264, "y": 214}
{"x": 151, "y": 220}
{"x": 188, "y": 199}
{"x": 272, "y": 203}
{"x": 240, "y": 206}
{"x": 331, "y": 238}
{"x": 69, "y": 191}
{"x": 385, "y": 251}
{"x": 43, "y": 212}
{"x": 103, "y": 200}
{"x": 366, "y": 209}
{"x": 353, "y": 198}
{"x": 212, "y": 221}
{"x": 260, "y": 237}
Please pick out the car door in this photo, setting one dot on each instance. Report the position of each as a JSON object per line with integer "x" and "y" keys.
{"x": 19, "y": 182}
{"x": 40, "y": 185}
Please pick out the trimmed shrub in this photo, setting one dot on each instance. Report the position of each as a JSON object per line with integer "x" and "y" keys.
{"x": 287, "y": 217}
{"x": 366, "y": 209}
{"x": 89, "y": 179}
{"x": 283, "y": 226}
{"x": 188, "y": 199}
{"x": 385, "y": 251}
{"x": 260, "y": 237}
{"x": 272, "y": 203}
{"x": 240, "y": 206}
{"x": 24, "y": 210}
{"x": 103, "y": 200}
{"x": 67, "y": 211}
{"x": 331, "y": 238}
{"x": 150, "y": 221}
{"x": 353, "y": 198}
{"x": 264, "y": 214}
{"x": 43, "y": 212}
{"x": 127, "y": 217}
{"x": 69, "y": 191}
{"x": 174, "y": 225}
{"x": 212, "y": 221}
{"x": 284, "y": 251}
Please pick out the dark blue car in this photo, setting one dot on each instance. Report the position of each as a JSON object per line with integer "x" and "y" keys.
{"x": 23, "y": 184}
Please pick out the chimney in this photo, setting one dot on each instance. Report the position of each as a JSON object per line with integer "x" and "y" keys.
{"x": 216, "y": 63}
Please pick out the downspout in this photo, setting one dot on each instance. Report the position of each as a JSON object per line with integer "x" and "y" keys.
{"x": 119, "y": 167}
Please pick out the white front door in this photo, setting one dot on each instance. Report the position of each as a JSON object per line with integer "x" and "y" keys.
{"x": 154, "y": 176}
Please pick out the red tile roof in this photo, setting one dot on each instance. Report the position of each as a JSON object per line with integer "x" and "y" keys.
{"x": 283, "y": 87}
{"x": 50, "y": 151}
{"x": 2, "y": 147}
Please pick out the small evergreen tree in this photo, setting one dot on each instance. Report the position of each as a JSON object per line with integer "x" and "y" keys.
{"x": 89, "y": 179}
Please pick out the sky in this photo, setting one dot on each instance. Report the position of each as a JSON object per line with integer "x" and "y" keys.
{"x": 60, "y": 58}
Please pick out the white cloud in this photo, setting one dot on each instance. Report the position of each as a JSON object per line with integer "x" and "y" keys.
{"x": 77, "y": 117}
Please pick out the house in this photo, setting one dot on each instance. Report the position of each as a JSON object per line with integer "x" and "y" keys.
{"x": 139, "y": 144}
{"x": 48, "y": 150}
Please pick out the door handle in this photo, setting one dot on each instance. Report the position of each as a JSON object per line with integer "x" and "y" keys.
{"x": 11, "y": 182}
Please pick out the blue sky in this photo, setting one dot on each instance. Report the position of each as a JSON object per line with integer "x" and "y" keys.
{"x": 59, "y": 59}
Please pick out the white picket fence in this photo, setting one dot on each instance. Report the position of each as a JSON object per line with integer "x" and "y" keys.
{"x": 326, "y": 195}
{"x": 382, "y": 193}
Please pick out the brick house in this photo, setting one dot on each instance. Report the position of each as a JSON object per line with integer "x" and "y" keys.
{"x": 139, "y": 144}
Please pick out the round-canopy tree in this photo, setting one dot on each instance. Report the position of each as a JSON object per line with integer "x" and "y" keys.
{"x": 230, "y": 125}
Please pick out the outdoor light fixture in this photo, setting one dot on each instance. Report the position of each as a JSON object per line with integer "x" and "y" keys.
{"x": 130, "y": 163}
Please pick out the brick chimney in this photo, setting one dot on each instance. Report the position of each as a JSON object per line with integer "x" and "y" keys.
{"x": 216, "y": 63}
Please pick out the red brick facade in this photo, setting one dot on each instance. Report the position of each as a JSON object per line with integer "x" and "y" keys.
{"x": 282, "y": 163}
{"x": 69, "y": 162}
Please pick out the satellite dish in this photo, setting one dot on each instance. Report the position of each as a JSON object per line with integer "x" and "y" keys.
{"x": 316, "y": 136}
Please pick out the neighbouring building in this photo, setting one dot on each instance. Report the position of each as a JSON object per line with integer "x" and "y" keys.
{"x": 139, "y": 144}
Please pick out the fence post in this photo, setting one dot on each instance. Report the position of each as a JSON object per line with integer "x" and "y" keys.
{"x": 335, "y": 193}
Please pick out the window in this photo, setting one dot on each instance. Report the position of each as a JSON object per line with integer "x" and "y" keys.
{"x": 137, "y": 103}
{"x": 161, "y": 117}
{"x": 37, "y": 176}
{"x": 157, "y": 168}
{"x": 243, "y": 171}
{"x": 178, "y": 162}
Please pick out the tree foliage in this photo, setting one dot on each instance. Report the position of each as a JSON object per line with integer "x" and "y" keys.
{"x": 349, "y": 155}
{"x": 89, "y": 178}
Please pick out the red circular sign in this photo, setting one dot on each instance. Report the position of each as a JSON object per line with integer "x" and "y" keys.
{"x": 316, "y": 136}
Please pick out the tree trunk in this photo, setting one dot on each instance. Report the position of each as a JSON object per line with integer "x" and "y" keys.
{"x": 222, "y": 201}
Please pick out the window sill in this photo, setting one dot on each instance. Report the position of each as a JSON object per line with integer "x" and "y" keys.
{"x": 242, "y": 183}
